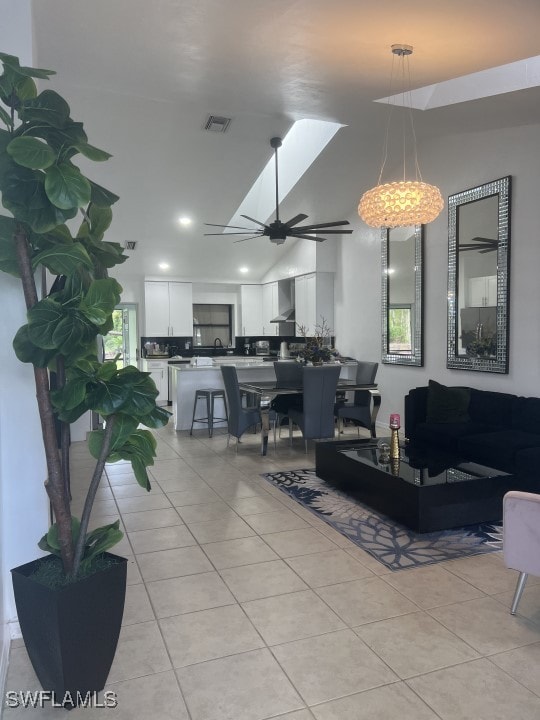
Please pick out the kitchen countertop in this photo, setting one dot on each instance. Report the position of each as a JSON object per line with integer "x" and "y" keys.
{"x": 243, "y": 362}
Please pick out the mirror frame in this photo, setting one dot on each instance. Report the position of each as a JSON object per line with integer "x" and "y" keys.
{"x": 498, "y": 364}
{"x": 416, "y": 357}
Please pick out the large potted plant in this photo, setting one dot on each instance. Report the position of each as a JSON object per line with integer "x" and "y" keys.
{"x": 69, "y": 603}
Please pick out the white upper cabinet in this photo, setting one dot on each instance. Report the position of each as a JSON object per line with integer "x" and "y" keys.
{"x": 314, "y": 301}
{"x": 270, "y": 308}
{"x": 483, "y": 291}
{"x": 251, "y": 310}
{"x": 168, "y": 308}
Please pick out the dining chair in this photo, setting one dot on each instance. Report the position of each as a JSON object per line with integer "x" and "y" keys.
{"x": 521, "y": 537}
{"x": 359, "y": 410}
{"x": 316, "y": 419}
{"x": 288, "y": 374}
{"x": 239, "y": 418}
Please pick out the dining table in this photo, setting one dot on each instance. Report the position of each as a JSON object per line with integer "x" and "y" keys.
{"x": 267, "y": 390}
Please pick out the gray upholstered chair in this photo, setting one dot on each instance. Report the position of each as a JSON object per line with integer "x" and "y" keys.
{"x": 316, "y": 419}
{"x": 359, "y": 411}
{"x": 288, "y": 373}
{"x": 239, "y": 418}
{"x": 521, "y": 537}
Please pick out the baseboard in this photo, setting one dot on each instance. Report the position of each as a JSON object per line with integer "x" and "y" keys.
{"x": 4, "y": 659}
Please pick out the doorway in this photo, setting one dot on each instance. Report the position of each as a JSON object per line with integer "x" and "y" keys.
{"x": 122, "y": 339}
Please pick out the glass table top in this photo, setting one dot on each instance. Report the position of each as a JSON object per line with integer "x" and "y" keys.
{"x": 418, "y": 466}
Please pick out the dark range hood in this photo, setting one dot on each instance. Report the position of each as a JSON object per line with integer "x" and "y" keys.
{"x": 285, "y": 316}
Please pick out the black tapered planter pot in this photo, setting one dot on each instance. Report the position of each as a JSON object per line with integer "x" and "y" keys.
{"x": 71, "y": 632}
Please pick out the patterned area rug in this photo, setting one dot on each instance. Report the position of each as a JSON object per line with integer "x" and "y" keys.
{"x": 392, "y": 544}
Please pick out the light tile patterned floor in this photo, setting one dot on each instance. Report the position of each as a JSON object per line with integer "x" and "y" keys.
{"x": 242, "y": 605}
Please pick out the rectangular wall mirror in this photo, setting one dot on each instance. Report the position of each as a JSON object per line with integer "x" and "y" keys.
{"x": 402, "y": 311}
{"x": 478, "y": 277}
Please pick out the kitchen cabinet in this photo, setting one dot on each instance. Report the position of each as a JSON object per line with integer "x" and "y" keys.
{"x": 168, "y": 308}
{"x": 159, "y": 372}
{"x": 251, "y": 310}
{"x": 483, "y": 291}
{"x": 314, "y": 300}
{"x": 270, "y": 308}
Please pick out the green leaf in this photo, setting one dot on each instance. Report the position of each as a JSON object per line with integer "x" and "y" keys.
{"x": 13, "y": 63}
{"x": 48, "y": 107}
{"x": 5, "y": 117}
{"x": 50, "y": 542}
{"x": 159, "y": 417}
{"x": 139, "y": 470}
{"x": 43, "y": 319}
{"x": 99, "y": 541}
{"x": 100, "y": 220}
{"x": 59, "y": 138}
{"x": 66, "y": 187}
{"x": 27, "y": 352}
{"x": 109, "y": 397}
{"x": 95, "y": 441}
{"x": 8, "y": 250}
{"x": 124, "y": 427}
{"x": 26, "y": 89}
{"x": 71, "y": 395}
{"x": 107, "y": 370}
{"x": 92, "y": 153}
{"x": 31, "y": 153}
{"x": 72, "y": 333}
{"x": 63, "y": 259}
{"x": 102, "y": 197}
{"x": 100, "y": 300}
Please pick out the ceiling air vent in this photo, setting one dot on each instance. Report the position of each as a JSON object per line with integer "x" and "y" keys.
{"x": 217, "y": 123}
{"x": 131, "y": 244}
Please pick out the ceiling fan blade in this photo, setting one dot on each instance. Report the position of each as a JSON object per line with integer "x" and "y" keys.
{"x": 257, "y": 222}
{"x": 234, "y": 233}
{"x": 295, "y": 220}
{"x": 324, "y": 231}
{"x": 307, "y": 237}
{"x": 324, "y": 225}
{"x": 249, "y": 238}
{"x": 235, "y": 227}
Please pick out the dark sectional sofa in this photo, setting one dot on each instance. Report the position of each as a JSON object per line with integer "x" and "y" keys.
{"x": 502, "y": 430}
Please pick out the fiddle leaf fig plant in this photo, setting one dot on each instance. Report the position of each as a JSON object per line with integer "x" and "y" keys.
{"x": 44, "y": 191}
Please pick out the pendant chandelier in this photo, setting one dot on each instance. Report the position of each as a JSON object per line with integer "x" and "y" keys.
{"x": 409, "y": 202}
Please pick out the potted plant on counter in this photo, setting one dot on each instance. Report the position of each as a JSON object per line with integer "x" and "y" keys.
{"x": 70, "y": 602}
{"x": 318, "y": 349}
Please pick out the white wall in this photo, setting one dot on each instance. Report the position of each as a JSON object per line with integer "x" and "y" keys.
{"x": 454, "y": 163}
{"x": 23, "y": 502}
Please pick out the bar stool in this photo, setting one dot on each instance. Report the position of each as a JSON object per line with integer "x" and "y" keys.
{"x": 210, "y": 396}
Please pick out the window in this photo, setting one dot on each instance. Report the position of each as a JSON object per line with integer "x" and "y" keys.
{"x": 210, "y": 324}
{"x": 400, "y": 323}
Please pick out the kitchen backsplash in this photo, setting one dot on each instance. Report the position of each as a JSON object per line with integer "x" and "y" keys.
{"x": 183, "y": 346}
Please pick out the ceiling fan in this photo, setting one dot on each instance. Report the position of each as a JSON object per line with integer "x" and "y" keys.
{"x": 483, "y": 245}
{"x": 277, "y": 230}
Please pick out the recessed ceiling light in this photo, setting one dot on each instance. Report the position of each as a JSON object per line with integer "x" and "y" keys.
{"x": 243, "y": 269}
{"x": 164, "y": 266}
{"x": 185, "y": 220}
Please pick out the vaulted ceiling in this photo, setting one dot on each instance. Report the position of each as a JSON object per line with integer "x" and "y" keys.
{"x": 144, "y": 76}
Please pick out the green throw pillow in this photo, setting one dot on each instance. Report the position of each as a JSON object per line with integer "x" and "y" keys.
{"x": 447, "y": 404}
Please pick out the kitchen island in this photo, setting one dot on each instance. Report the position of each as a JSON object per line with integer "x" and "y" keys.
{"x": 186, "y": 379}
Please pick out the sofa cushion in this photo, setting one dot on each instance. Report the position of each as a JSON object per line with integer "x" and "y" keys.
{"x": 492, "y": 407}
{"x": 447, "y": 404}
{"x": 528, "y": 463}
{"x": 526, "y": 414}
{"x": 446, "y": 435}
{"x": 497, "y": 449}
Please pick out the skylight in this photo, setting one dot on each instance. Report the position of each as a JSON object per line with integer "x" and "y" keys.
{"x": 301, "y": 146}
{"x": 518, "y": 75}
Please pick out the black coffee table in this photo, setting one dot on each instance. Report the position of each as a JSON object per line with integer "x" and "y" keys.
{"x": 426, "y": 490}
